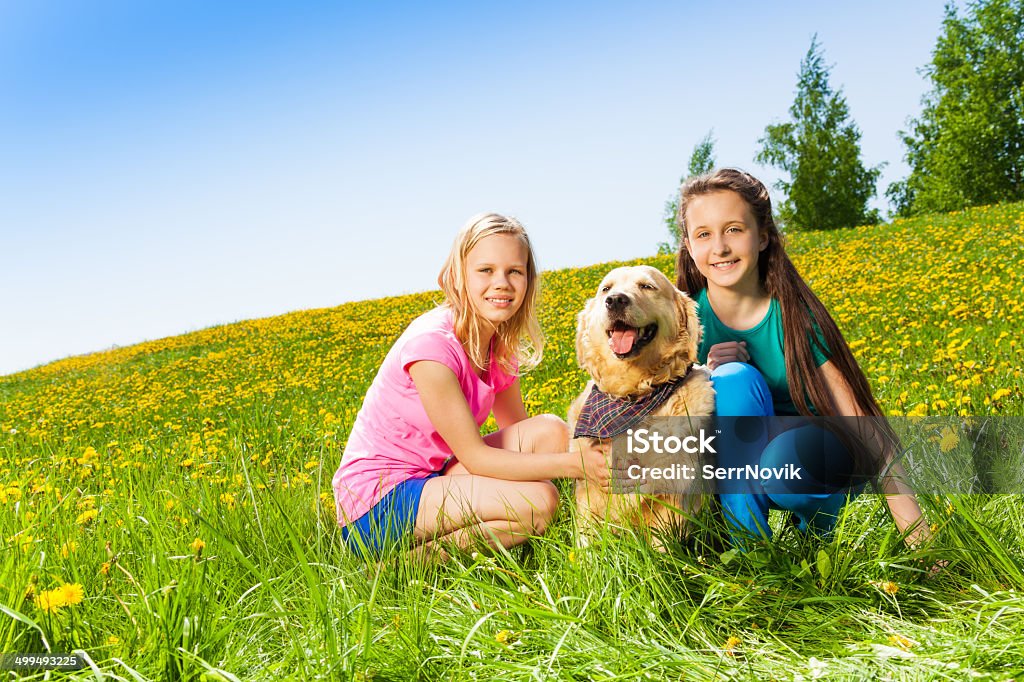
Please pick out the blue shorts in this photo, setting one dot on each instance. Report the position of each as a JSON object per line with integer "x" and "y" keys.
{"x": 389, "y": 521}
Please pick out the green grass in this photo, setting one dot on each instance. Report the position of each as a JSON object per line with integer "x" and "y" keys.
{"x": 231, "y": 435}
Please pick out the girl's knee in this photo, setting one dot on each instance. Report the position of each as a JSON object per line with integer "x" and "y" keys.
{"x": 740, "y": 389}
{"x": 735, "y": 373}
{"x": 543, "y": 504}
{"x": 817, "y": 460}
{"x": 552, "y": 433}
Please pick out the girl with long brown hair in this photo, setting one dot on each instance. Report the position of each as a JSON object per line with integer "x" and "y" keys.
{"x": 774, "y": 350}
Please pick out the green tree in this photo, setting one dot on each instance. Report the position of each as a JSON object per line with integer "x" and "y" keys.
{"x": 829, "y": 186}
{"x": 967, "y": 146}
{"x": 702, "y": 160}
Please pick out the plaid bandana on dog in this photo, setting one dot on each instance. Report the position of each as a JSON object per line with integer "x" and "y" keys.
{"x": 603, "y": 416}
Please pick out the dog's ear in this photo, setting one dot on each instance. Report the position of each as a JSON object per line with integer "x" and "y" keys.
{"x": 689, "y": 325}
{"x": 582, "y": 329}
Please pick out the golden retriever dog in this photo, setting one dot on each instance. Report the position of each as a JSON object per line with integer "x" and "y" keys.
{"x": 637, "y": 339}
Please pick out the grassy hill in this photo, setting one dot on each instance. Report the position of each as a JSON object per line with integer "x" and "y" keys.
{"x": 184, "y": 483}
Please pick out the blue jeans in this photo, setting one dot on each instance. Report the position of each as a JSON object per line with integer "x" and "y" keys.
{"x": 741, "y": 391}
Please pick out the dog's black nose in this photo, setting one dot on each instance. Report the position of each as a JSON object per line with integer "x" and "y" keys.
{"x": 616, "y": 302}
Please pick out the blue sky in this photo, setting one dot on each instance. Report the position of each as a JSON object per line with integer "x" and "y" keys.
{"x": 168, "y": 166}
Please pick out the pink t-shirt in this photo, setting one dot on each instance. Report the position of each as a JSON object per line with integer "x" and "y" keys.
{"x": 393, "y": 439}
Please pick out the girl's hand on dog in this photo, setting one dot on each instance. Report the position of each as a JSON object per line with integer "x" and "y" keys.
{"x": 594, "y": 456}
{"x": 727, "y": 351}
{"x": 625, "y": 478}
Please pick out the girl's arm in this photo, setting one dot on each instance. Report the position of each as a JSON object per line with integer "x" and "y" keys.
{"x": 448, "y": 410}
{"x": 508, "y": 406}
{"x": 903, "y": 506}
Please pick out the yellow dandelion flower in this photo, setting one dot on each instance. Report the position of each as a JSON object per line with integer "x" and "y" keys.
{"x": 86, "y": 516}
{"x": 920, "y": 410}
{"x": 1000, "y": 394}
{"x": 71, "y": 594}
{"x": 889, "y": 587}
{"x": 731, "y": 644}
{"x": 198, "y": 546}
{"x": 502, "y": 636}
{"x": 948, "y": 439}
{"x": 90, "y": 455}
{"x": 49, "y": 601}
{"x": 900, "y": 641}
{"x": 228, "y": 500}
{"x": 68, "y": 548}
{"x": 113, "y": 639}
{"x": 105, "y": 568}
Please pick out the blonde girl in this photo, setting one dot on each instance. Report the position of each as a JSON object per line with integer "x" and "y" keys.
{"x": 415, "y": 467}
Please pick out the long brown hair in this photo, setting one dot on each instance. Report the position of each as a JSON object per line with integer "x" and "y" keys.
{"x": 801, "y": 309}
{"x": 520, "y": 337}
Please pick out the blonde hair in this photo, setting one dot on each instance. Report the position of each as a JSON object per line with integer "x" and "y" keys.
{"x": 520, "y": 337}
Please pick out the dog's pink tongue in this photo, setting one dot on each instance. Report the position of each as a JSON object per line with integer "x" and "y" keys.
{"x": 622, "y": 340}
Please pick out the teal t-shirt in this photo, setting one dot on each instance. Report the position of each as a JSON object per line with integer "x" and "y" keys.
{"x": 764, "y": 343}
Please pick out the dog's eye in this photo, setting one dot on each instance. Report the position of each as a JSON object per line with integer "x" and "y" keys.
{"x": 649, "y": 287}
{"x": 605, "y": 289}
